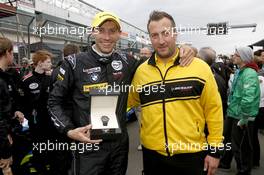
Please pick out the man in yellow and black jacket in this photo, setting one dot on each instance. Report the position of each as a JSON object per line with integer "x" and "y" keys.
{"x": 177, "y": 102}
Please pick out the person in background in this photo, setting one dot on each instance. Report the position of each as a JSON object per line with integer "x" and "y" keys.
{"x": 26, "y": 66}
{"x": 8, "y": 109}
{"x": 243, "y": 106}
{"x": 221, "y": 68}
{"x": 35, "y": 88}
{"x": 261, "y": 58}
{"x": 209, "y": 56}
{"x": 144, "y": 53}
{"x": 69, "y": 49}
{"x": 259, "y": 121}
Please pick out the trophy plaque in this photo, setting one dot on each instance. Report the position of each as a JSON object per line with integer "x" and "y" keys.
{"x": 105, "y": 123}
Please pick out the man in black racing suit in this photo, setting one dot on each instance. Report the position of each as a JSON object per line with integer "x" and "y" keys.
{"x": 82, "y": 71}
{"x": 100, "y": 66}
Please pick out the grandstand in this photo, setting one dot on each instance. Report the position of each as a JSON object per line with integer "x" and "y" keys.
{"x": 50, "y": 24}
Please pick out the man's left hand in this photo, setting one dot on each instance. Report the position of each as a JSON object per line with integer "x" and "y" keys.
{"x": 186, "y": 55}
{"x": 211, "y": 164}
{"x": 20, "y": 116}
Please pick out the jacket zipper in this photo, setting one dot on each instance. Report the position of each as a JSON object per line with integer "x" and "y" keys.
{"x": 164, "y": 110}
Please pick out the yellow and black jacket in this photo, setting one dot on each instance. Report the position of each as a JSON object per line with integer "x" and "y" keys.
{"x": 176, "y": 104}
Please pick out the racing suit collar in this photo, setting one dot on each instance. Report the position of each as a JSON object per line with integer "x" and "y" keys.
{"x": 100, "y": 57}
{"x": 100, "y": 53}
{"x": 38, "y": 74}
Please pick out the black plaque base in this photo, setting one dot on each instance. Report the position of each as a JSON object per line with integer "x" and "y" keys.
{"x": 105, "y": 134}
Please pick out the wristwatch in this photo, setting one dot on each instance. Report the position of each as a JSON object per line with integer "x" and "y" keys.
{"x": 105, "y": 120}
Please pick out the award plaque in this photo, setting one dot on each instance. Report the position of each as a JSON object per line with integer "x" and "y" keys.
{"x": 105, "y": 123}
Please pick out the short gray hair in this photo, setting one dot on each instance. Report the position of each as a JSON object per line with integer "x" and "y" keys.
{"x": 207, "y": 54}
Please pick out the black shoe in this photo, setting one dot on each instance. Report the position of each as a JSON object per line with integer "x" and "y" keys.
{"x": 255, "y": 165}
{"x": 247, "y": 172}
{"x": 223, "y": 166}
{"x": 243, "y": 173}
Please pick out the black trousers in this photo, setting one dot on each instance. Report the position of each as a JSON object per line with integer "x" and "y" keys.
{"x": 52, "y": 161}
{"x": 258, "y": 124}
{"x": 242, "y": 140}
{"x": 110, "y": 159}
{"x": 256, "y": 146}
{"x": 228, "y": 154}
{"x": 181, "y": 164}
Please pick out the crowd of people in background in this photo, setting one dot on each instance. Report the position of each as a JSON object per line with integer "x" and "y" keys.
{"x": 50, "y": 98}
{"x": 240, "y": 84}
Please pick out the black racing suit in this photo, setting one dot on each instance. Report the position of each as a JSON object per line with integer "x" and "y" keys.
{"x": 9, "y": 103}
{"x": 77, "y": 74}
{"x": 6, "y": 114}
{"x": 63, "y": 157}
{"x": 35, "y": 91}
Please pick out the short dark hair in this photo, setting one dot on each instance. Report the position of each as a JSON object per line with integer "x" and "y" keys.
{"x": 262, "y": 50}
{"x": 70, "y": 49}
{"x": 258, "y": 52}
{"x": 5, "y": 45}
{"x": 158, "y": 15}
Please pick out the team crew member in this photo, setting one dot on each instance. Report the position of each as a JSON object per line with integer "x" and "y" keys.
{"x": 176, "y": 103}
{"x": 35, "y": 92}
{"x": 100, "y": 66}
{"x": 68, "y": 49}
{"x": 8, "y": 104}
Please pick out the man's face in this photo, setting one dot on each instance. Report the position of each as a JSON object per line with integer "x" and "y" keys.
{"x": 46, "y": 65}
{"x": 236, "y": 59}
{"x": 262, "y": 57}
{"x": 162, "y": 37}
{"x": 10, "y": 57}
{"x": 107, "y": 36}
{"x": 145, "y": 53}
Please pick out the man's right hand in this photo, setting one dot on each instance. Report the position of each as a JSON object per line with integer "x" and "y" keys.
{"x": 211, "y": 164}
{"x": 82, "y": 134}
{"x": 5, "y": 163}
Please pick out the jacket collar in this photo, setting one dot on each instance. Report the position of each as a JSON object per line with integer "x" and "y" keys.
{"x": 252, "y": 65}
{"x": 101, "y": 59}
{"x": 152, "y": 60}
